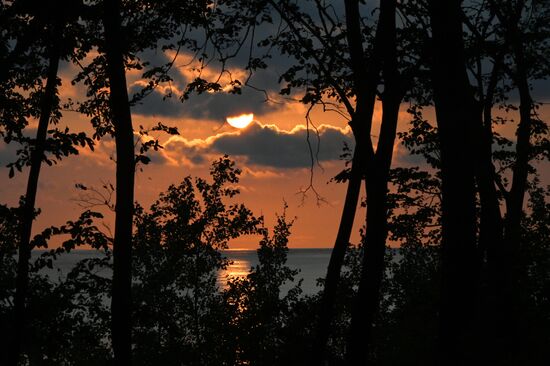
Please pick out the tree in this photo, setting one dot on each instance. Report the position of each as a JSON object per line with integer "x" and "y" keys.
{"x": 337, "y": 71}
{"x": 522, "y": 38}
{"x": 455, "y": 111}
{"x": 180, "y": 313}
{"x": 125, "y": 168}
{"x": 497, "y": 33}
{"x": 52, "y": 46}
{"x": 124, "y": 38}
{"x": 259, "y": 312}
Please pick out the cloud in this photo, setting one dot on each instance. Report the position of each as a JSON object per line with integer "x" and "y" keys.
{"x": 155, "y": 104}
{"x": 217, "y": 106}
{"x": 541, "y": 90}
{"x": 205, "y": 106}
{"x": 261, "y": 173}
{"x": 265, "y": 146}
{"x": 8, "y": 153}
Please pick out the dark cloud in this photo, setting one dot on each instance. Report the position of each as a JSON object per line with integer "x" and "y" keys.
{"x": 266, "y": 145}
{"x": 157, "y": 158}
{"x": 157, "y": 58}
{"x": 541, "y": 90}
{"x": 156, "y": 104}
{"x": 213, "y": 106}
{"x": 8, "y": 153}
{"x": 269, "y": 146}
{"x": 404, "y": 157}
{"x": 218, "y": 106}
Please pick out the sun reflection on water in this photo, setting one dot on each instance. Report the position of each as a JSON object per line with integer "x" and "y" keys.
{"x": 237, "y": 268}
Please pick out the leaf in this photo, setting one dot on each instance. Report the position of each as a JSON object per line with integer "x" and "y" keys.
{"x": 143, "y": 159}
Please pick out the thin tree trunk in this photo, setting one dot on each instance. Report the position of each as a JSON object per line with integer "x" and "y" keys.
{"x": 455, "y": 113}
{"x": 491, "y": 233}
{"x": 28, "y": 209}
{"x": 372, "y": 271}
{"x": 125, "y": 167}
{"x": 521, "y": 166}
{"x": 491, "y": 225}
{"x": 366, "y": 81}
{"x": 368, "y": 299}
{"x": 509, "y": 284}
{"x": 503, "y": 256}
{"x": 337, "y": 258}
{"x": 520, "y": 169}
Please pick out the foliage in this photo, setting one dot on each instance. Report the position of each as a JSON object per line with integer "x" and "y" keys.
{"x": 8, "y": 246}
{"x": 178, "y": 310}
{"x": 261, "y": 318}
{"x": 68, "y": 313}
{"x": 182, "y": 313}
{"x": 535, "y": 281}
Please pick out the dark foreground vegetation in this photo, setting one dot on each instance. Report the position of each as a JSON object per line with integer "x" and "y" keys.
{"x": 470, "y": 283}
{"x": 181, "y": 317}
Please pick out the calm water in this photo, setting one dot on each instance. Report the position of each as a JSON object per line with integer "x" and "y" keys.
{"x": 312, "y": 264}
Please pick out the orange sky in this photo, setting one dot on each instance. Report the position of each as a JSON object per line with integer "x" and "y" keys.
{"x": 272, "y": 152}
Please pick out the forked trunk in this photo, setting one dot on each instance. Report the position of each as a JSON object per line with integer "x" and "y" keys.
{"x": 368, "y": 299}
{"x": 372, "y": 271}
{"x": 366, "y": 82}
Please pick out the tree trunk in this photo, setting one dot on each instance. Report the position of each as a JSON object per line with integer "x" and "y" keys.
{"x": 455, "y": 112}
{"x": 372, "y": 272}
{"x": 28, "y": 208}
{"x": 366, "y": 82}
{"x": 337, "y": 258}
{"x": 368, "y": 299}
{"x": 510, "y": 271}
{"x": 125, "y": 167}
{"x": 503, "y": 256}
{"x": 491, "y": 237}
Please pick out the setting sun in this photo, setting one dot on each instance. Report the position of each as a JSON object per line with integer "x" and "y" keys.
{"x": 240, "y": 121}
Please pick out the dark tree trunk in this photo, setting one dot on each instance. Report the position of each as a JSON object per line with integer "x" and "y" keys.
{"x": 509, "y": 266}
{"x": 366, "y": 82}
{"x": 125, "y": 168}
{"x": 504, "y": 253}
{"x": 455, "y": 113}
{"x": 367, "y": 303}
{"x": 28, "y": 208}
{"x": 508, "y": 288}
{"x": 515, "y": 199}
{"x": 368, "y": 299}
{"x": 337, "y": 258}
{"x": 491, "y": 233}
{"x": 491, "y": 225}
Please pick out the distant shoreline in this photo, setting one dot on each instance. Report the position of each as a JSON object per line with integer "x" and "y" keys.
{"x": 223, "y": 250}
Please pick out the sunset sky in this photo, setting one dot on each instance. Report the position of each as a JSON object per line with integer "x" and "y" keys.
{"x": 272, "y": 151}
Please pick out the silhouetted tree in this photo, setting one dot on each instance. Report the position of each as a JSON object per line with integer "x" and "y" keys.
{"x": 455, "y": 111}
{"x": 522, "y": 38}
{"x": 341, "y": 72}
{"x": 131, "y": 28}
{"x": 53, "y": 45}
{"x": 177, "y": 257}
{"x": 125, "y": 168}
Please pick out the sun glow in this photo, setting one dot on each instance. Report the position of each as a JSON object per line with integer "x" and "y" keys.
{"x": 240, "y": 121}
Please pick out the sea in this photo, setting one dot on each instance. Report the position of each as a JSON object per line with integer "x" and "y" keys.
{"x": 311, "y": 264}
